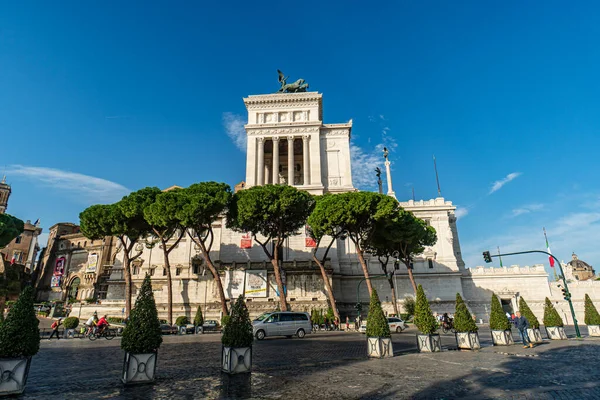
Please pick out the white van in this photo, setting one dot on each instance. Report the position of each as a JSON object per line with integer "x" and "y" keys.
{"x": 281, "y": 323}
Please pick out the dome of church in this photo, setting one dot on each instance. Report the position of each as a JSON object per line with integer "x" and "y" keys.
{"x": 581, "y": 270}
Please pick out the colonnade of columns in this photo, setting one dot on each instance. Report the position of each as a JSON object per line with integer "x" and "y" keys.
{"x": 263, "y": 170}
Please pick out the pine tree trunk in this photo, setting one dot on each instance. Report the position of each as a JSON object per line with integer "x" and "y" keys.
{"x": 394, "y": 300}
{"x": 217, "y": 279}
{"x": 412, "y": 279}
{"x": 363, "y": 264}
{"x": 275, "y": 263}
{"x": 127, "y": 276}
{"x": 169, "y": 285}
{"x": 328, "y": 287}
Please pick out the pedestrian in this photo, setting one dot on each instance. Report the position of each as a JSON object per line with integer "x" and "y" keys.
{"x": 347, "y": 323}
{"x": 54, "y": 327}
{"x": 522, "y": 324}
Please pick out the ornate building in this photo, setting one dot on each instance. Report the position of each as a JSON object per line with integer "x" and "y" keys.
{"x": 579, "y": 270}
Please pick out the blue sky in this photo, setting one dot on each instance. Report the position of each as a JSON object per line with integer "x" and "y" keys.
{"x": 98, "y": 100}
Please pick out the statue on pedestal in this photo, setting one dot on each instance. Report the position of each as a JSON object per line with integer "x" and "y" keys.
{"x": 295, "y": 87}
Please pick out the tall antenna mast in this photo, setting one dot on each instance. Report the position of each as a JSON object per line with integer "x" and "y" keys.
{"x": 437, "y": 178}
{"x": 413, "y": 191}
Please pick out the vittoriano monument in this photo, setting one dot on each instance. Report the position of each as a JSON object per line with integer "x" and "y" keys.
{"x": 295, "y": 87}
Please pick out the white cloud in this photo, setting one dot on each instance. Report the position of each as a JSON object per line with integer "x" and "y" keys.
{"x": 526, "y": 209}
{"x": 498, "y": 184}
{"x": 91, "y": 188}
{"x": 364, "y": 164}
{"x": 234, "y": 127}
{"x": 461, "y": 212}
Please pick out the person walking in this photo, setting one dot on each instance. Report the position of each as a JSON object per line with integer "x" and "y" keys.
{"x": 522, "y": 324}
{"x": 347, "y": 324}
{"x": 54, "y": 327}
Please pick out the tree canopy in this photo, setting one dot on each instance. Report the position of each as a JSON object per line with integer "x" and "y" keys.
{"x": 10, "y": 228}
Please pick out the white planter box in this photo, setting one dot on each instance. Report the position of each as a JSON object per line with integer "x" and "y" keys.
{"x": 594, "y": 330}
{"x": 13, "y": 375}
{"x": 236, "y": 360}
{"x": 535, "y": 335}
{"x": 429, "y": 343}
{"x": 69, "y": 334}
{"x": 556, "y": 332}
{"x": 139, "y": 368}
{"x": 468, "y": 340}
{"x": 380, "y": 347}
{"x": 502, "y": 338}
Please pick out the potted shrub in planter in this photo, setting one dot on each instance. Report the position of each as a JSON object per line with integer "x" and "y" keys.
{"x": 141, "y": 338}
{"x": 379, "y": 338}
{"x": 466, "y": 329}
{"x": 236, "y": 352}
{"x": 181, "y": 323}
{"x": 70, "y": 324}
{"x": 199, "y": 321}
{"x": 592, "y": 318}
{"x": 553, "y": 322}
{"x": 500, "y": 325}
{"x": 19, "y": 341}
{"x": 535, "y": 336}
{"x": 428, "y": 340}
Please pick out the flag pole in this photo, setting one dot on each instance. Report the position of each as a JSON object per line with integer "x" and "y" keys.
{"x": 437, "y": 179}
{"x": 548, "y": 248}
{"x": 500, "y": 257}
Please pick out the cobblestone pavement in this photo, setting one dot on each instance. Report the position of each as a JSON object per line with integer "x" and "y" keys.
{"x": 323, "y": 365}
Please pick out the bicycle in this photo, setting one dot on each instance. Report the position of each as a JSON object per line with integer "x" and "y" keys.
{"x": 108, "y": 334}
{"x": 447, "y": 327}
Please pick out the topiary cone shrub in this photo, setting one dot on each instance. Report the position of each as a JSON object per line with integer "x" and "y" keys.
{"x": 551, "y": 316}
{"x": 527, "y": 313}
{"x": 142, "y": 333}
{"x": 498, "y": 320}
{"x": 238, "y": 330}
{"x": 71, "y": 322}
{"x": 19, "y": 332}
{"x": 424, "y": 319}
{"x": 199, "y": 318}
{"x": 463, "y": 321}
{"x": 377, "y": 324}
{"x": 591, "y": 313}
{"x": 182, "y": 321}
{"x": 459, "y": 300}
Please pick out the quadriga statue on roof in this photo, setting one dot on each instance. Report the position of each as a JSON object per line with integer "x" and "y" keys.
{"x": 295, "y": 87}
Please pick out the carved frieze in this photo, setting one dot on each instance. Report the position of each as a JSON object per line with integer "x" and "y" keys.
{"x": 284, "y": 131}
{"x": 335, "y": 132}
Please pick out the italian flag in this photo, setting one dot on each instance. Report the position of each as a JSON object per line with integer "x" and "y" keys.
{"x": 551, "y": 259}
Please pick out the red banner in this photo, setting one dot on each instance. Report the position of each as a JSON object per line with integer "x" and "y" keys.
{"x": 246, "y": 241}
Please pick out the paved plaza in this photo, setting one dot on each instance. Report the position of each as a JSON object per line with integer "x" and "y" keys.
{"x": 323, "y": 365}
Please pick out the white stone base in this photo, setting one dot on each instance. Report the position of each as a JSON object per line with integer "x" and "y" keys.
{"x": 13, "y": 375}
{"x": 429, "y": 343}
{"x": 468, "y": 340}
{"x": 556, "y": 333}
{"x": 380, "y": 347}
{"x": 139, "y": 368}
{"x": 236, "y": 360}
{"x": 593, "y": 330}
{"x": 502, "y": 338}
{"x": 535, "y": 336}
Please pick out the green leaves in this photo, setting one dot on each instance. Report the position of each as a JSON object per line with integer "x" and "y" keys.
{"x": 463, "y": 320}
{"x": 591, "y": 313}
{"x": 527, "y": 313}
{"x": 19, "y": 333}
{"x": 202, "y": 204}
{"x": 199, "y": 318}
{"x": 377, "y": 324}
{"x": 142, "y": 333}
{"x": 237, "y": 332}
{"x": 10, "y": 228}
{"x": 274, "y": 211}
{"x": 551, "y": 316}
{"x": 498, "y": 320}
{"x": 424, "y": 319}
{"x": 71, "y": 322}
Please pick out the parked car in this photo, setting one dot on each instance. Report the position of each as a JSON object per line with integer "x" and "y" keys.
{"x": 167, "y": 329}
{"x": 282, "y": 323}
{"x": 396, "y": 325}
{"x": 210, "y": 325}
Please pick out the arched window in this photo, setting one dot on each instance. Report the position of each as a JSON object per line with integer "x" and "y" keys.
{"x": 74, "y": 289}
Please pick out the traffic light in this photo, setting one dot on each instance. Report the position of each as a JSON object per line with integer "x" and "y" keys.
{"x": 487, "y": 257}
{"x": 566, "y": 294}
{"x": 397, "y": 264}
{"x": 358, "y": 307}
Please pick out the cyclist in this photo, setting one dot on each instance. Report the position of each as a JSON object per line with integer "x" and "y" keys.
{"x": 93, "y": 321}
{"x": 102, "y": 324}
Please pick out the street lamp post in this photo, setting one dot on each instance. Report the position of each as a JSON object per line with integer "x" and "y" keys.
{"x": 358, "y": 303}
{"x": 567, "y": 295}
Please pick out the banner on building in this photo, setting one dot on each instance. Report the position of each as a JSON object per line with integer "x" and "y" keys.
{"x": 246, "y": 241}
{"x": 308, "y": 241}
{"x": 256, "y": 283}
{"x": 234, "y": 283}
{"x": 55, "y": 282}
{"x": 92, "y": 263}
{"x": 59, "y": 268}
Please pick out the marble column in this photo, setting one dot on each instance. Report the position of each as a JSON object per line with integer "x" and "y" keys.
{"x": 305, "y": 152}
{"x": 290, "y": 166}
{"x": 275, "y": 160}
{"x": 260, "y": 167}
{"x": 389, "y": 179}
